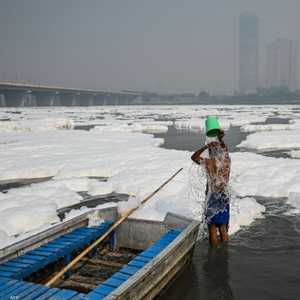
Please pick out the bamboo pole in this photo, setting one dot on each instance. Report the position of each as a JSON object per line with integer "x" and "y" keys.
{"x": 106, "y": 234}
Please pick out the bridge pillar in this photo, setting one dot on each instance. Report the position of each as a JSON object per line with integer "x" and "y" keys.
{"x": 109, "y": 99}
{"x": 2, "y": 100}
{"x": 55, "y": 99}
{"x": 27, "y": 95}
{"x": 68, "y": 99}
{"x": 86, "y": 100}
{"x": 126, "y": 99}
{"x": 45, "y": 98}
{"x": 122, "y": 100}
{"x": 133, "y": 98}
{"x": 91, "y": 100}
{"x": 75, "y": 100}
{"x": 28, "y": 99}
{"x": 14, "y": 98}
{"x": 117, "y": 99}
{"x": 98, "y": 99}
{"x": 41, "y": 98}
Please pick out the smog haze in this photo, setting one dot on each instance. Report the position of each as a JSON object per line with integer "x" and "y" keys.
{"x": 158, "y": 45}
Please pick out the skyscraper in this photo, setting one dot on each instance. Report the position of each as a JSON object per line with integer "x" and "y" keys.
{"x": 282, "y": 64}
{"x": 248, "y": 52}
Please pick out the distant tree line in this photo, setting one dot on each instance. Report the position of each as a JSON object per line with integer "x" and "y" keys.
{"x": 271, "y": 95}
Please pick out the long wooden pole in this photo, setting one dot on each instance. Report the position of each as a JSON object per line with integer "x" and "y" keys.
{"x": 106, "y": 234}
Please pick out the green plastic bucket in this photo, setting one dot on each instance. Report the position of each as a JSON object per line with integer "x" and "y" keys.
{"x": 212, "y": 126}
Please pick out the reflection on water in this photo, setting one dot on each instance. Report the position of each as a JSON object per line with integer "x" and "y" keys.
{"x": 207, "y": 277}
{"x": 261, "y": 262}
{"x": 84, "y": 127}
{"x": 276, "y": 120}
{"x": 277, "y": 154}
{"x": 215, "y": 268}
{"x": 182, "y": 139}
{"x": 191, "y": 141}
{"x": 11, "y": 184}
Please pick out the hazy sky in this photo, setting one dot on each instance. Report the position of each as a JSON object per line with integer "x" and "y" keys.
{"x": 159, "y": 45}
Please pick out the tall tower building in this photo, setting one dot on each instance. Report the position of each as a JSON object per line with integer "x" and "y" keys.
{"x": 282, "y": 64}
{"x": 248, "y": 52}
{"x": 294, "y": 66}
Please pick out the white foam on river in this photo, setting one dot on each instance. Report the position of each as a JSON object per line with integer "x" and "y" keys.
{"x": 257, "y": 175}
{"x": 132, "y": 160}
{"x": 37, "y": 125}
{"x": 294, "y": 153}
{"x": 294, "y": 201}
{"x": 266, "y": 127}
{"x": 273, "y": 140}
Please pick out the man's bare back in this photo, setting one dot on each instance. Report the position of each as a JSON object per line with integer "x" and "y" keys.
{"x": 217, "y": 168}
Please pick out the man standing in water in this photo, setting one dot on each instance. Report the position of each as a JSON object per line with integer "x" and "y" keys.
{"x": 217, "y": 167}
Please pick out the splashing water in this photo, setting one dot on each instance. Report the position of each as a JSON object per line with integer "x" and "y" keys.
{"x": 203, "y": 182}
{"x": 196, "y": 193}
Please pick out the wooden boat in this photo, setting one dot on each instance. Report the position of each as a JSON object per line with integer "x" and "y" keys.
{"x": 136, "y": 262}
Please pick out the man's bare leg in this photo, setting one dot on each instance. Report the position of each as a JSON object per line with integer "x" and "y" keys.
{"x": 224, "y": 233}
{"x": 213, "y": 235}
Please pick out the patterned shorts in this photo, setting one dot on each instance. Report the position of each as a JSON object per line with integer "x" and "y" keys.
{"x": 217, "y": 210}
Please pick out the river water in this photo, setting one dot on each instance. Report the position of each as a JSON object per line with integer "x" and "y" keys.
{"x": 261, "y": 261}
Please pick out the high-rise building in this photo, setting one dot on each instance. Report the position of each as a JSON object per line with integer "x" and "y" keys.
{"x": 248, "y": 52}
{"x": 282, "y": 64}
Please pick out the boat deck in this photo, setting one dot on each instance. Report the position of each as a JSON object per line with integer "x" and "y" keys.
{"x": 108, "y": 286}
{"x": 95, "y": 269}
{"x": 18, "y": 289}
{"x": 60, "y": 248}
{"x": 89, "y": 285}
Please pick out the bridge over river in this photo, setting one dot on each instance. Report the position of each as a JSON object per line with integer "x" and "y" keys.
{"x": 23, "y": 94}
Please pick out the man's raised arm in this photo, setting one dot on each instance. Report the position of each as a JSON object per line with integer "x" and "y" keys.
{"x": 196, "y": 157}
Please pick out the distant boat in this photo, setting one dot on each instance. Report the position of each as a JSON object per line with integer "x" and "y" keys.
{"x": 135, "y": 262}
